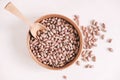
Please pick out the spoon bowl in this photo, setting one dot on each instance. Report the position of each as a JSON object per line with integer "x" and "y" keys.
{"x": 80, "y": 41}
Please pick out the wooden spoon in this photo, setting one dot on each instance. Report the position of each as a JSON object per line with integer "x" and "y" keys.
{"x": 34, "y": 27}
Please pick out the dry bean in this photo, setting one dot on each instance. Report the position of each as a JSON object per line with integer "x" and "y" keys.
{"x": 58, "y": 45}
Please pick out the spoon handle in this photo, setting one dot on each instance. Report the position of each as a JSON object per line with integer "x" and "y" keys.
{"x": 12, "y": 9}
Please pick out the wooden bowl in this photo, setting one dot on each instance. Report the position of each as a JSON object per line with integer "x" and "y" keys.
{"x": 75, "y": 26}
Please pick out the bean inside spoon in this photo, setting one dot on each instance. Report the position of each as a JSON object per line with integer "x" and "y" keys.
{"x": 34, "y": 27}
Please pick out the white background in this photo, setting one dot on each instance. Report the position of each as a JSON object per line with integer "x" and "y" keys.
{"x": 17, "y": 64}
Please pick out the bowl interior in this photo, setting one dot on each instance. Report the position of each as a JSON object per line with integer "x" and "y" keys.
{"x": 80, "y": 41}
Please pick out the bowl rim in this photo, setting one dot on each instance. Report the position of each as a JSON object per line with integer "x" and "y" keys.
{"x": 74, "y": 25}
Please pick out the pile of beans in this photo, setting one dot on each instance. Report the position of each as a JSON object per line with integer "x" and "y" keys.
{"x": 56, "y": 46}
{"x": 91, "y": 34}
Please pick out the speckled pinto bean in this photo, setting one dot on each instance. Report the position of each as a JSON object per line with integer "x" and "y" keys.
{"x": 56, "y": 46}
